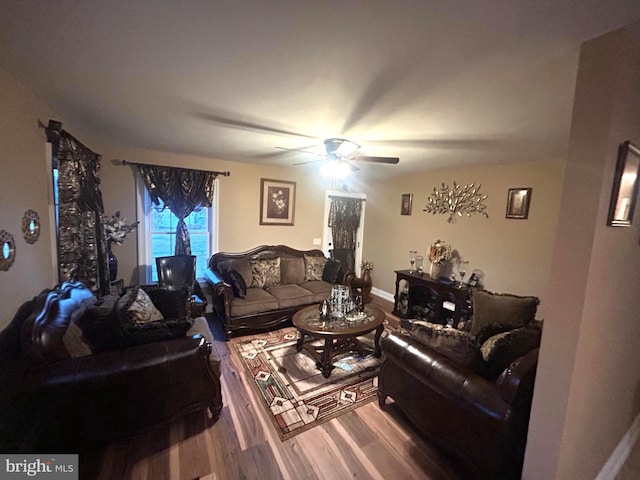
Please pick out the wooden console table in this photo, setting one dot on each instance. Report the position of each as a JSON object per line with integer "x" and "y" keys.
{"x": 438, "y": 302}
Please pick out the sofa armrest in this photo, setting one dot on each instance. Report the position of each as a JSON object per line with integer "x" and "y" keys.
{"x": 219, "y": 290}
{"x": 446, "y": 377}
{"x": 518, "y": 379}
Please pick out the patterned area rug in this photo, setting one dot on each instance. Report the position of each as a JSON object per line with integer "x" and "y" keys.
{"x": 293, "y": 391}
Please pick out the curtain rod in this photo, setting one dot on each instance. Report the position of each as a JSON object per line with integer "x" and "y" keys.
{"x": 342, "y": 196}
{"x": 127, "y": 162}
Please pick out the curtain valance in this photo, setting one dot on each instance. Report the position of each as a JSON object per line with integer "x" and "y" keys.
{"x": 182, "y": 191}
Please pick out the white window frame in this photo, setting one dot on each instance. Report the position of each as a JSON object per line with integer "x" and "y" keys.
{"x": 143, "y": 201}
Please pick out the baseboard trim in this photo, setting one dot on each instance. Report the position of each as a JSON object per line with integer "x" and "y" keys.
{"x": 613, "y": 466}
{"x": 382, "y": 294}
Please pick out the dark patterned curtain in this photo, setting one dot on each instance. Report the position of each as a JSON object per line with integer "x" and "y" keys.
{"x": 182, "y": 191}
{"x": 81, "y": 242}
{"x": 344, "y": 219}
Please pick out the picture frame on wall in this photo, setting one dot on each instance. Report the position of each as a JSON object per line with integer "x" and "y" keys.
{"x": 406, "y": 204}
{"x": 277, "y": 202}
{"x": 625, "y": 186}
{"x": 518, "y": 201}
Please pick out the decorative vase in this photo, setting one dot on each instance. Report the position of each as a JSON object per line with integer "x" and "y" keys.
{"x": 112, "y": 261}
{"x": 366, "y": 287}
{"x": 435, "y": 270}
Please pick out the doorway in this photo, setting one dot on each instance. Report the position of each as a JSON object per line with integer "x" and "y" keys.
{"x": 327, "y": 234}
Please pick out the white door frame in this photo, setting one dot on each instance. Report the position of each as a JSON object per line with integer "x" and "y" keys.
{"x": 327, "y": 240}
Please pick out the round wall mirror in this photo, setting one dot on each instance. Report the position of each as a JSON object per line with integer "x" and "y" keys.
{"x": 31, "y": 226}
{"x": 7, "y": 250}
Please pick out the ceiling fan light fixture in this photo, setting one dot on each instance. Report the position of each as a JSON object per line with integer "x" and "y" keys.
{"x": 340, "y": 146}
{"x": 335, "y": 168}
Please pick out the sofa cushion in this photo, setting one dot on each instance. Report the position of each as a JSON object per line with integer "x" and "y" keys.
{"x": 503, "y": 308}
{"x": 320, "y": 289}
{"x": 331, "y": 271}
{"x": 135, "y": 306}
{"x": 291, "y": 295}
{"x": 265, "y": 272}
{"x": 313, "y": 267}
{"x": 454, "y": 344}
{"x": 258, "y": 300}
{"x": 500, "y": 350}
{"x": 292, "y": 270}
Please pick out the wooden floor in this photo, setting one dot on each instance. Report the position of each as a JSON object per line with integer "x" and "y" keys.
{"x": 367, "y": 443}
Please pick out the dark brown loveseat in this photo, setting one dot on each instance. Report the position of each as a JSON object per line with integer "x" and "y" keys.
{"x": 56, "y": 394}
{"x": 262, "y": 288}
{"x": 469, "y": 392}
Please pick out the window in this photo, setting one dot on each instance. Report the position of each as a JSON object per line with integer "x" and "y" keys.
{"x": 159, "y": 237}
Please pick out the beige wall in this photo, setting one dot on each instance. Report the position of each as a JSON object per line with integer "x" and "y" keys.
{"x": 588, "y": 382}
{"x": 239, "y": 200}
{"x": 515, "y": 255}
{"x": 25, "y": 183}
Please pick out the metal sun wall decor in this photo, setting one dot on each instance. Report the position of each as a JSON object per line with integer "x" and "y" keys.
{"x": 457, "y": 200}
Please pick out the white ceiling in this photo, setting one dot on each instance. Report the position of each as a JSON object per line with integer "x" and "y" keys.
{"x": 436, "y": 83}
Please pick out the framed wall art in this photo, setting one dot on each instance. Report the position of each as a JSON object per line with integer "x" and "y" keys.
{"x": 406, "y": 204}
{"x": 277, "y": 202}
{"x": 625, "y": 186}
{"x": 518, "y": 200}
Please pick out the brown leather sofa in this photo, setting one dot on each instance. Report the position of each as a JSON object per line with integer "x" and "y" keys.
{"x": 244, "y": 306}
{"x": 56, "y": 394}
{"x": 481, "y": 421}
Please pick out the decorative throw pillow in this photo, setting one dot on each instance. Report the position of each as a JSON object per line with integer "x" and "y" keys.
{"x": 243, "y": 267}
{"x": 313, "y": 267}
{"x": 170, "y": 303}
{"x": 500, "y": 350}
{"x": 135, "y": 306}
{"x": 501, "y": 308}
{"x": 233, "y": 278}
{"x": 100, "y": 324}
{"x": 331, "y": 271}
{"x": 454, "y": 344}
{"x": 492, "y": 329}
{"x": 291, "y": 270}
{"x": 166, "y": 329}
{"x": 265, "y": 272}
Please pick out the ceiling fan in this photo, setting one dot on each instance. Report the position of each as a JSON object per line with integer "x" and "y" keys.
{"x": 343, "y": 150}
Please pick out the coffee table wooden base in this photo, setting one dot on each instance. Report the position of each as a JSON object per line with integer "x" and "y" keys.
{"x": 324, "y": 355}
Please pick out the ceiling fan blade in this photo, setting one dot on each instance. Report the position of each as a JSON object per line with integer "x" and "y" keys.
{"x": 307, "y": 163}
{"x": 249, "y": 125}
{"x": 301, "y": 150}
{"x": 389, "y": 160}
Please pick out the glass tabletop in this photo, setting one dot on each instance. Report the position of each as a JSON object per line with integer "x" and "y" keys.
{"x": 309, "y": 320}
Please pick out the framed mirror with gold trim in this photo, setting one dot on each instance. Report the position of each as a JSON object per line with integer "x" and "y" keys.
{"x": 31, "y": 226}
{"x": 7, "y": 250}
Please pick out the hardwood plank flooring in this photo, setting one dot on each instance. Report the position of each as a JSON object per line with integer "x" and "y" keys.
{"x": 367, "y": 443}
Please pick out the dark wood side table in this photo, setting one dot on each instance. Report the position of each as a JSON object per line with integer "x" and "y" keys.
{"x": 438, "y": 292}
{"x": 340, "y": 335}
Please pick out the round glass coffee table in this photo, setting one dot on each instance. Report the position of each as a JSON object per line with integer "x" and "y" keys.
{"x": 339, "y": 334}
